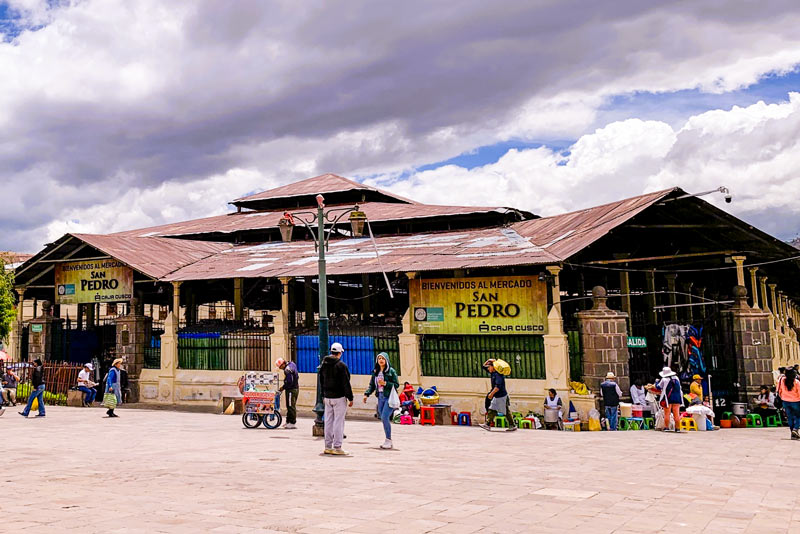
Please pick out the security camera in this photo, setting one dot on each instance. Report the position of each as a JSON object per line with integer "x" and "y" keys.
{"x": 728, "y": 198}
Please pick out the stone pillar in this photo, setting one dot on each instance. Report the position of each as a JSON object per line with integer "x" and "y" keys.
{"x": 15, "y": 338}
{"x": 752, "y": 347}
{"x": 409, "y": 352}
{"x": 773, "y": 306}
{"x": 739, "y": 261}
{"x": 133, "y": 335}
{"x": 556, "y": 289}
{"x": 754, "y": 287}
{"x": 650, "y": 280}
{"x": 279, "y": 340}
{"x": 604, "y": 335}
{"x": 556, "y": 355}
{"x": 238, "y": 306}
{"x": 762, "y": 284}
{"x": 673, "y": 298}
{"x": 169, "y": 359}
{"x": 40, "y": 333}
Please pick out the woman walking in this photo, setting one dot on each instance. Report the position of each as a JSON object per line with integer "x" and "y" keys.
{"x": 672, "y": 395}
{"x": 789, "y": 392}
{"x": 384, "y": 383}
{"x": 113, "y": 394}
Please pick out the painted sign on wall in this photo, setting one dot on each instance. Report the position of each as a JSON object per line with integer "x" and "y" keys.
{"x": 491, "y": 305}
{"x": 81, "y": 282}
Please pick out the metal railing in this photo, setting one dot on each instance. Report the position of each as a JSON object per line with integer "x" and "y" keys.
{"x": 224, "y": 346}
{"x": 361, "y": 346}
{"x": 152, "y": 350}
{"x": 463, "y": 356}
{"x": 58, "y": 379}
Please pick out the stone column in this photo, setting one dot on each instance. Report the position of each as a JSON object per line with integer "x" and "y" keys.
{"x": 773, "y": 305}
{"x": 754, "y": 287}
{"x": 673, "y": 298}
{"x": 762, "y": 284}
{"x": 15, "y": 338}
{"x": 169, "y": 359}
{"x": 556, "y": 355}
{"x": 176, "y": 300}
{"x": 279, "y": 340}
{"x": 133, "y": 335}
{"x": 554, "y": 270}
{"x": 40, "y": 333}
{"x": 752, "y": 347}
{"x": 604, "y": 335}
{"x": 410, "y": 366}
{"x": 739, "y": 261}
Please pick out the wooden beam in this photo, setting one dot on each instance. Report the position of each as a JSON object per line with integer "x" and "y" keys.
{"x": 43, "y": 257}
{"x": 663, "y": 258}
{"x": 97, "y": 258}
{"x": 673, "y": 226}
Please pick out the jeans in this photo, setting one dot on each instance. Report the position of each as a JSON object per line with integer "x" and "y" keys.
{"x": 386, "y": 412}
{"x": 793, "y": 414}
{"x": 335, "y": 410}
{"x": 88, "y": 394}
{"x": 36, "y": 393}
{"x": 291, "y": 405}
{"x": 611, "y": 416}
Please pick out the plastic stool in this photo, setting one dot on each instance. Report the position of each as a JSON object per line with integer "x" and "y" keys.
{"x": 649, "y": 423}
{"x": 500, "y": 421}
{"x": 637, "y": 423}
{"x": 727, "y": 415}
{"x": 687, "y": 423}
{"x": 516, "y": 415}
{"x": 453, "y": 418}
{"x": 406, "y": 420}
{"x": 755, "y": 420}
{"x": 624, "y": 423}
{"x": 774, "y": 421}
{"x": 426, "y": 416}
{"x": 525, "y": 423}
{"x": 464, "y": 418}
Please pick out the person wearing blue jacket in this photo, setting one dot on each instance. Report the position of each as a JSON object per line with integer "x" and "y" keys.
{"x": 383, "y": 381}
{"x": 114, "y": 384}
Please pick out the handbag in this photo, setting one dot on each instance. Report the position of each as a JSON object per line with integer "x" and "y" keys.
{"x": 110, "y": 401}
{"x": 394, "y": 399}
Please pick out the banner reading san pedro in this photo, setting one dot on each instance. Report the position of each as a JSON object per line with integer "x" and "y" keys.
{"x": 492, "y": 305}
{"x": 82, "y": 282}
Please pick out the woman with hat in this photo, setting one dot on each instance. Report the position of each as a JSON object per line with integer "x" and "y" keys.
{"x": 407, "y": 400}
{"x": 114, "y": 386}
{"x": 672, "y": 394}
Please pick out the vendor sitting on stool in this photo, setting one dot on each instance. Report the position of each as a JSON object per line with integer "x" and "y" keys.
{"x": 765, "y": 403}
{"x": 408, "y": 403}
{"x": 552, "y": 400}
{"x": 696, "y": 387}
{"x": 639, "y": 395}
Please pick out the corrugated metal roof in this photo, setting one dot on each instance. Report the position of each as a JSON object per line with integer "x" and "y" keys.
{"x": 234, "y": 222}
{"x": 324, "y": 183}
{"x": 154, "y": 256}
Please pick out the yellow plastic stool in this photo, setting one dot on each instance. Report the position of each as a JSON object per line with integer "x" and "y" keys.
{"x": 687, "y": 423}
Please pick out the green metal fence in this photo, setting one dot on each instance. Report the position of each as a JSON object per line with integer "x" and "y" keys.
{"x": 224, "y": 346}
{"x": 575, "y": 355}
{"x": 462, "y": 356}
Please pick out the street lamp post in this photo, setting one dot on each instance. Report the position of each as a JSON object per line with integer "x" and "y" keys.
{"x": 333, "y": 216}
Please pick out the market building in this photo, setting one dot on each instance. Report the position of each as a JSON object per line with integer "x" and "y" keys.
{"x": 620, "y": 287}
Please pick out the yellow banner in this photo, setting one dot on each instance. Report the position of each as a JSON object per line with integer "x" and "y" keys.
{"x": 81, "y": 282}
{"x": 492, "y": 305}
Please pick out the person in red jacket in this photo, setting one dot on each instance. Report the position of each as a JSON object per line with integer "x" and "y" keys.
{"x": 408, "y": 402}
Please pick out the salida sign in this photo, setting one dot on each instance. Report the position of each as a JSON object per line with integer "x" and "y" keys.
{"x": 82, "y": 282}
{"x": 496, "y": 305}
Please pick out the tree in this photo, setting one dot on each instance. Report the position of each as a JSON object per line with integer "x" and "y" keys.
{"x": 7, "y": 312}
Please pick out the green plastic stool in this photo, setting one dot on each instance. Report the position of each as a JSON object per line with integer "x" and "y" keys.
{"x": 774, "y": 421}
{"x": 727, "y": 415}
{"x": 625, "y": 424}
{"x": 516, "y": 415}
{"x": 649, "y": 423}
{"x": 500, "y": 421}
{"x": 525, "y": 423}
{"x": 755, "y": 420}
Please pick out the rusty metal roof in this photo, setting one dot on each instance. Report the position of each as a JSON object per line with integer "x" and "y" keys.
{"x": 255, "y": 220}
{"x": 322, "y": 184}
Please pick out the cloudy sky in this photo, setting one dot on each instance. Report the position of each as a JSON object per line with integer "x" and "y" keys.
{"x": 117, "y": 115}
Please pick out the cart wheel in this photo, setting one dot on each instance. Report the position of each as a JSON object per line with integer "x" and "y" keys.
{"x": 273, "y": 420}
{"x": 251, "y": 420}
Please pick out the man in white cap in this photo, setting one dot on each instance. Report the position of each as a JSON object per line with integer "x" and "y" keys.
{"x": 291, "y": 385}
{"x": 87, "y": 385}
{"x": 337, "y": 395}
{"x": 611, "y": 397}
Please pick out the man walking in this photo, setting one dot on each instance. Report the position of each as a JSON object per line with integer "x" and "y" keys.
{"x": 291, "y": 385}
{"x": 37, "y": 381}
{"x": 337, "y": 395}
{"x": 611, "y": 396}
{"x": 497, "y": 398}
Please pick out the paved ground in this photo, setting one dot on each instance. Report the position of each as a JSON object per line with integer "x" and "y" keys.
{"x": 157, "y": 471}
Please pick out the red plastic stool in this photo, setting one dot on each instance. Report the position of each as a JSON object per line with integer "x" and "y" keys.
{"x": 426, "y": 416}
{"x": 453, "y": 418}
{"x": 465, "y": 418}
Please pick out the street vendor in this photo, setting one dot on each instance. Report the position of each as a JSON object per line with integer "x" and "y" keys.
{"x": 764, "y": 403}
{"x": 408, "y": 402}
{"x": 497, "y": 398}
{"x": 696, "y": 387}
{"x": 552, "y": 400}
{"x": 703, "y": 415}
{"x": 291, "y": 385}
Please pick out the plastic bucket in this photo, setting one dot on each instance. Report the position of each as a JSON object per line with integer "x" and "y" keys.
{"x": 739, "y": 408}
{"x": 551, "y": 415}
{"x": 725, "y": 423}
{"x": 636, "y": 410}
{"x": 625, "y": 409}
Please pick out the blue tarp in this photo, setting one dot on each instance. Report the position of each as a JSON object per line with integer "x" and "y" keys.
{"x": 359, "y": 353}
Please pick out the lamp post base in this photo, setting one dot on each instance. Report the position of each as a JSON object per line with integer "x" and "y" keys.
{"x": 318, "y": 430}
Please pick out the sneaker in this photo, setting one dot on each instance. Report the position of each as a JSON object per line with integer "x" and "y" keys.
{"x": 40, "y": 415}
{"x": 328, "y": 451}
{"x": 2, "y": 411}
{"x": 795, "y": 434}
{"x": 387, "y": 444}
{"x": 113, "y": 415}
{"x": 23, "y": 414}
{"x": 338, "y": 452}
{"x": 511, "y": 429}
{"x": 289, "y": 426}
{"x": 485, "y": 426}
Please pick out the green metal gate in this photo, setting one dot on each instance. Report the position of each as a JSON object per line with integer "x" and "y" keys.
{"x": 462, "y": 356}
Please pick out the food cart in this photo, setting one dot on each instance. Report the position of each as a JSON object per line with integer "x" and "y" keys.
{"x": 261, "y": 400}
